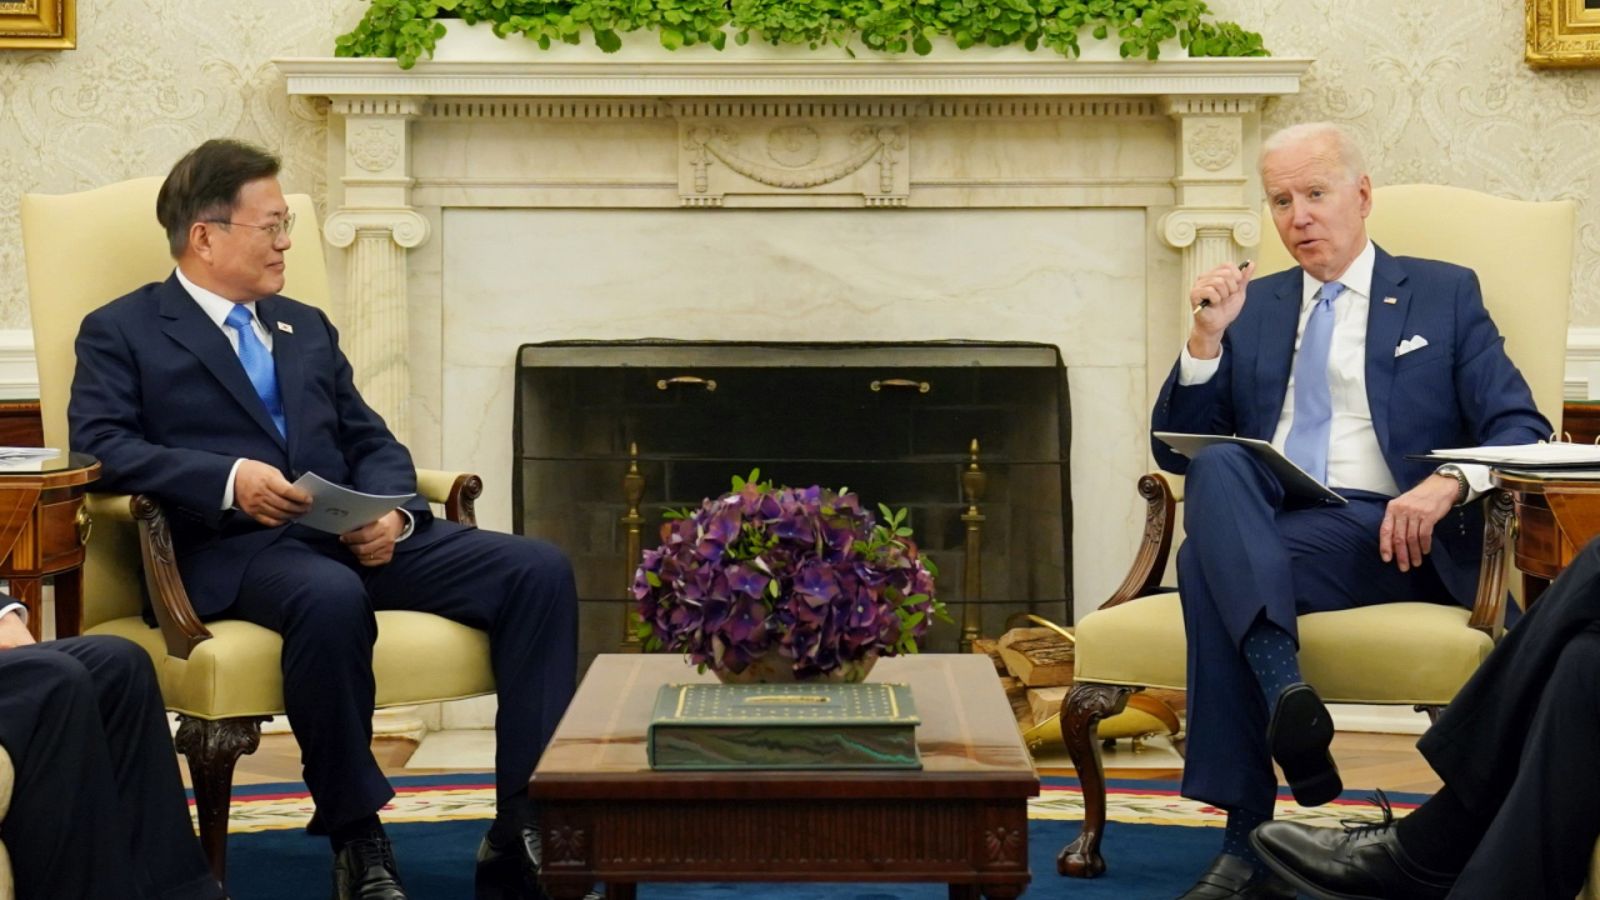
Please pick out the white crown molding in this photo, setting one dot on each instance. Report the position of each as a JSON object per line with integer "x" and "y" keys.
{"x": 19, "y": 377}
{"x": 735, "y": 77}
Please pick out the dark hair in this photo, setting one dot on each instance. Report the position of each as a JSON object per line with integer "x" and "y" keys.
{"x": 205, "y": 185}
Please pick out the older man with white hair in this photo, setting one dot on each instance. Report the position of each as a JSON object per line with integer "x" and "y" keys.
{"x": 1350, "y": 363}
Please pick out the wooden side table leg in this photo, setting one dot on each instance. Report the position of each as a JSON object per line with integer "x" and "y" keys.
{"x": 621, "y": 890}
{"x": 69, "y": 603}
{"x": 26, "y": 592}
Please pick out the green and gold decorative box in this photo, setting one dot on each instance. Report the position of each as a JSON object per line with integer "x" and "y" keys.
{"x": 784, "y": 726}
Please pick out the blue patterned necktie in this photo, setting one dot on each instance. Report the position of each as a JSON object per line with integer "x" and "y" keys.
{"x": 1307, "y": 445}
{"x": 259, "y": 366}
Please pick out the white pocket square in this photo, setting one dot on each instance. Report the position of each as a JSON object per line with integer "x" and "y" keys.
{"x": 1415, "y": 342}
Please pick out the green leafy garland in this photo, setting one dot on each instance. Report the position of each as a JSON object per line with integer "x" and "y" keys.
{"x": 406, "y": 29}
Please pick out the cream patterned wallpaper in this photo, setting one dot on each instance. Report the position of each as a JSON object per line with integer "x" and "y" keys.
{"x": 1438, "y": 92}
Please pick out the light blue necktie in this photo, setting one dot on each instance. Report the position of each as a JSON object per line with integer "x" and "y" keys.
{"x": 259, "y": 366}
{"x": 1307, "y": 445}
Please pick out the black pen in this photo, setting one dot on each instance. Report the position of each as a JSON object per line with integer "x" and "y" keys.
{"x": 1206, "y": 303}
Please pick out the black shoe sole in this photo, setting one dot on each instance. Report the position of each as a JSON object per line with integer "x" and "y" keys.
{"x": 1294, "y": 878}
{"x": 1299, "y": 737}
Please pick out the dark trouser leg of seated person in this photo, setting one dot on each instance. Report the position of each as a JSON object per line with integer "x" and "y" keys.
{"x": 320, "y": 607}
{"x": 1477, "y": 745}
{"x": 98, "y": 808}
{"x": 522, "y": 592}
{"x": 1542, "y": 838}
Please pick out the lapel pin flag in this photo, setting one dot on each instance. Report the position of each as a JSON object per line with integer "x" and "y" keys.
{"x": 286, "y": 328}
{"x": 1389, "y": 300}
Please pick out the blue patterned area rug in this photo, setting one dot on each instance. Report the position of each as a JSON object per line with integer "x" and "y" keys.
{"x": 1156, "y": 843}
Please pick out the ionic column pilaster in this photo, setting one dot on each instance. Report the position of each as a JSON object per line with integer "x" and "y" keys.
{"x": 376, "y": 225}
{"x": 1216, "y": 215}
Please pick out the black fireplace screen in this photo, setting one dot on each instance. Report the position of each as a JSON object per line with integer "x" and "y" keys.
{"x": 971, "y": 438}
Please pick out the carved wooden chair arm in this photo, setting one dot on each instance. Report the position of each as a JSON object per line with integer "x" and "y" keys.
{"x": 180, "y": 625}
{"x": 1499, "y": 532}
{"x": 457, "y": 491}
{"x": 1150, "y": 563}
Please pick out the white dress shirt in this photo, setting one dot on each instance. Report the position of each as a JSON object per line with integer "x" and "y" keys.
{"x": 1354, "y": 458}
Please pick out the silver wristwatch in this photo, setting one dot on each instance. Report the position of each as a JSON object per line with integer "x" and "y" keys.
{"x": 1462, "y": 487}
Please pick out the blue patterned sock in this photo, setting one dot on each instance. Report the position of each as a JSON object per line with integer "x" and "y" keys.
{"x": 1236, "y": 839}
{"x": 1272, "y": 656}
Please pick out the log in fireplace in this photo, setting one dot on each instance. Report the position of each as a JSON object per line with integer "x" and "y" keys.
{"x": 972, "y": 438}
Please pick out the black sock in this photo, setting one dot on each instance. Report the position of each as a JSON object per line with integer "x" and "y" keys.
{"x": 1236, "y": 839}
{"x": 511, "y": 815}
{"x": 365, "y": 827}
{"x": 1442, "y": 833}
{"x": 1272, "y": 656}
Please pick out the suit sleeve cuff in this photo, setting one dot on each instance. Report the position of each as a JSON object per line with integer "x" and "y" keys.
{"x": 15, "y": 607}
{"x": 1193, "y": 371}
{"x": 411, "y": 524}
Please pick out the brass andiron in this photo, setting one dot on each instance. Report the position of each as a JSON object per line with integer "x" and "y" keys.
{"x": 633, "y": 491}
{"x": 973, "y": 481}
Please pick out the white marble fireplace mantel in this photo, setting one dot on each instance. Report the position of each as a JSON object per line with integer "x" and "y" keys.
{"x": 478, "y": 205}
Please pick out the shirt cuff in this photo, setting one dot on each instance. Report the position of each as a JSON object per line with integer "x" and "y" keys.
{"x": 1193, "y": 371}
{"x": 227, "y": 492}
{"x": 18, "y": 608}
{"x": 1478, "y": 480}
{"x": 411, "y": 524}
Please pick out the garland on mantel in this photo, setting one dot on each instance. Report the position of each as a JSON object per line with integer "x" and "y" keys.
{"x": 407, "y": 29}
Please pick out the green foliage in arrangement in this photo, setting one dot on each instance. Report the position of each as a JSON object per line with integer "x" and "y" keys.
{"x": 408, "y": 29}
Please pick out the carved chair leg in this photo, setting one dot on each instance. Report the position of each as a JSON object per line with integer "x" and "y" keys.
{"x": 1081, "y": 713}
{"x": 212, "y": 747}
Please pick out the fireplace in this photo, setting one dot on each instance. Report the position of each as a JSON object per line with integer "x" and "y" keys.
{"x": 972, "y": 438}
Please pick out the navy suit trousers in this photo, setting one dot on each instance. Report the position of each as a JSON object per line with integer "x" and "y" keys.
{"x": 1249, "y": 554}
{"x": 98, "y": 811}
{"x": 310, "y": 589}
{"x": 1520, "y": 745}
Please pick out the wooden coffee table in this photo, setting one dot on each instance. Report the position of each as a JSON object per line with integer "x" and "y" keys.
{"x": 962, "y": 820}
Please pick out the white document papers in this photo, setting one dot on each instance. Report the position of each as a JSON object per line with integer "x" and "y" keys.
{"x": 29, "y": 459}
{"x": 1519, "y": 456}
{"x": 28, "y": 452}
{"x": 1294, "y": 479}
{"x": 337, "y": 509}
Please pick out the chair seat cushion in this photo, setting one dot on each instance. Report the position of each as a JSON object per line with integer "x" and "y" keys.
{"x": 420, "y": 658}
{"x": 1400, "y": 653}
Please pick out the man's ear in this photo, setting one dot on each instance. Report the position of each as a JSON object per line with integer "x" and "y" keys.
{"x": 200, "y": 241}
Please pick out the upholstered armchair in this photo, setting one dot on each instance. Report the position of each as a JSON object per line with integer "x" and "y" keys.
{"x": 222, "y": 678}
{"x": 1403, "y": 654}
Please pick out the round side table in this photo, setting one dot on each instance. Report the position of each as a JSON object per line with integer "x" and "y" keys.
{"x": 43, "y": 526}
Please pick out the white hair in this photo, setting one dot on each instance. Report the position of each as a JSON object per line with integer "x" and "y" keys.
{"x": 1307, "y": 132}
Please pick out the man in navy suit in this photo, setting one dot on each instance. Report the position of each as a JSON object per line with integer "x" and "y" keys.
{"x": 213, "y": 393}
{"x": 1348, "y": 363}
{"x": 97, "y": 809}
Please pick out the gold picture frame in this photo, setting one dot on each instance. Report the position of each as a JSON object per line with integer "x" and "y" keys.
{"x": 38, "y": 24}
{"x": 1563, "y": 33}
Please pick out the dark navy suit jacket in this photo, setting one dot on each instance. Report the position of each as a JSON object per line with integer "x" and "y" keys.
{"x": 1459, "y": 390}
{"x": 161, "y": 399}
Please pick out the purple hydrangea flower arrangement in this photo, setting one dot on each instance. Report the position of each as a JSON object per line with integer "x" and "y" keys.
{"x": 803, "y": 571}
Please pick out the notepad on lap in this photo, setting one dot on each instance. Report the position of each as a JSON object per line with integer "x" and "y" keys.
{"x": 1294, "y": 479}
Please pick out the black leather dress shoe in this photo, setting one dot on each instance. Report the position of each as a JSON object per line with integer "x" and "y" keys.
{"x": 510, "y": 871}
{"x": 365, "y": 870}
{"x": 1232, "y": 877}
{"x": 1358, "y": 862}
{"x": 1299, "y": 736}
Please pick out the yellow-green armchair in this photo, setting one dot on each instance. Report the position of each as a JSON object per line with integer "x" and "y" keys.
{"x": 1405, "y": 654}
{"x": 222, "y": 678}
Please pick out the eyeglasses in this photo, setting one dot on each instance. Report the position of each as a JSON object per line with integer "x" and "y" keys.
{"x": 273, "y": 230}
